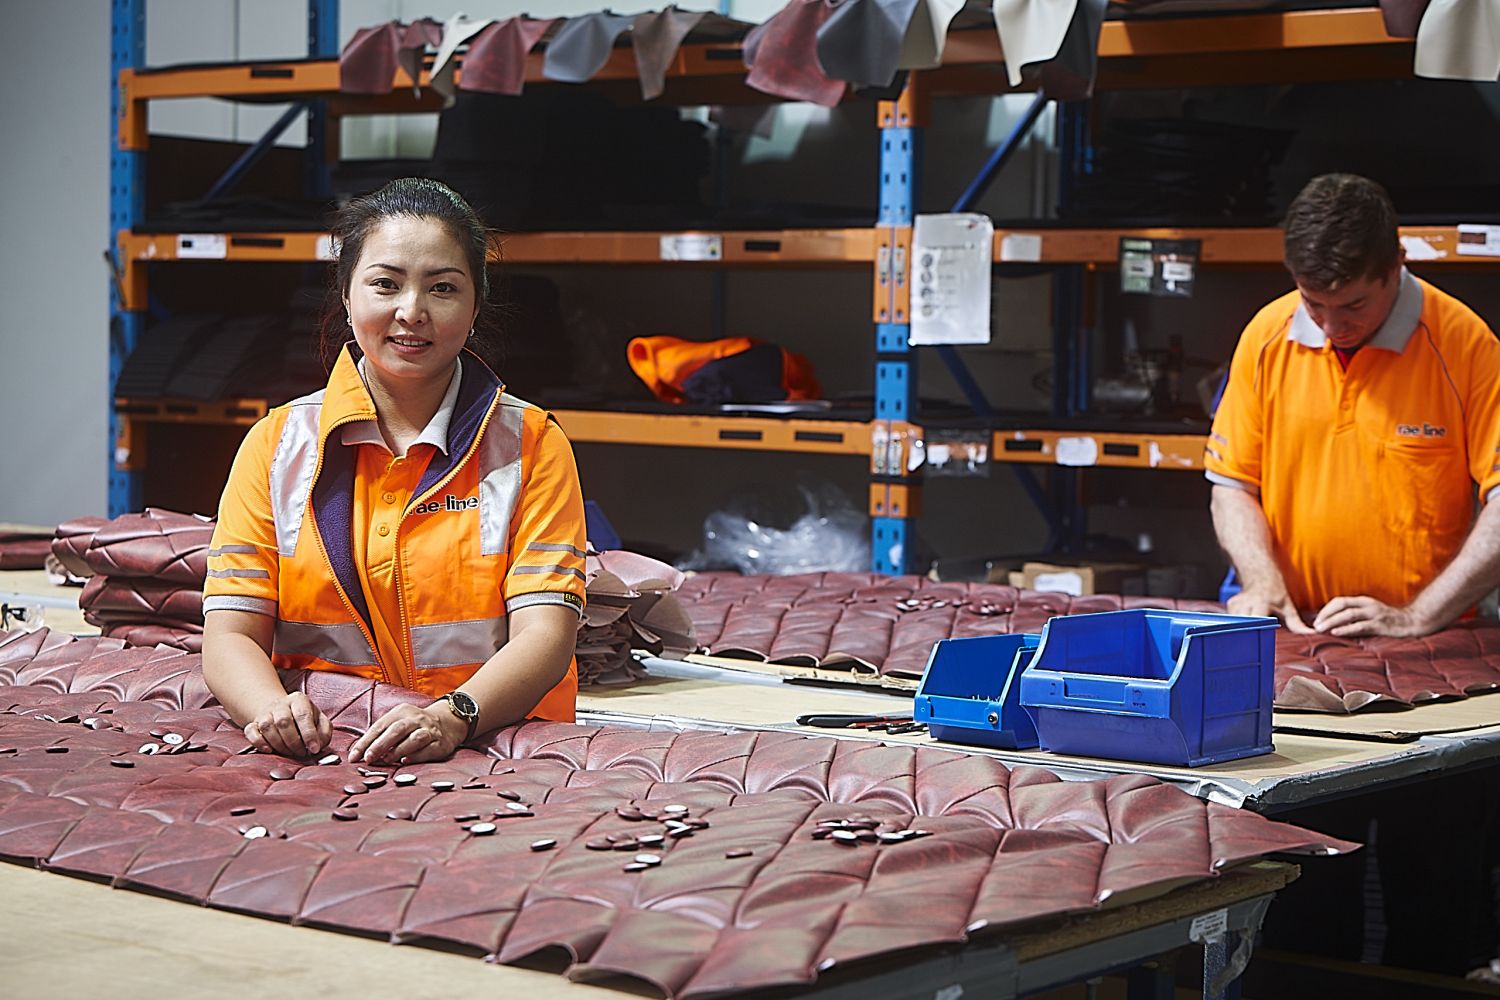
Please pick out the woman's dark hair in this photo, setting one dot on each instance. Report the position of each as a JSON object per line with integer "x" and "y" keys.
{"x": 412, "y": 198}
{"x": 1340, "y": 228}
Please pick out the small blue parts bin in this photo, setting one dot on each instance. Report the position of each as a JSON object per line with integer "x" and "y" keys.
{"x": 1164, "y": 687}
{"x": 970, "y": 691}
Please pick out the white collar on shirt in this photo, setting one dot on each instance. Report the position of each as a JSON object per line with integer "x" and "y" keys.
{"x": 436, "y": 431}
{"x": 1393, "y": 334}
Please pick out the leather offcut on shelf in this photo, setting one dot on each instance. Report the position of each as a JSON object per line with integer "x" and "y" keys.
{"x": 746, "y": 895}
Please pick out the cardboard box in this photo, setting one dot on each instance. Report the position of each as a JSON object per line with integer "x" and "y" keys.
{"x": 1082, "y": 578}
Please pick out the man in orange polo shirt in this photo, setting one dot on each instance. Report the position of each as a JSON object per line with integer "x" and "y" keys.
{"x": 1361, "y": 411}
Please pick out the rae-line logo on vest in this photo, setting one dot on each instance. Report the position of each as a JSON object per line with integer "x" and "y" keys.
{"x": 448, "y": 503}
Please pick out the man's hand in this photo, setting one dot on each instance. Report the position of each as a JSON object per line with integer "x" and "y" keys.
{"x": 1353, "y": 617}
{"x": 291, "y": 726}
{"x": 409, "y": 735}
{"x": 1256, "y": 604}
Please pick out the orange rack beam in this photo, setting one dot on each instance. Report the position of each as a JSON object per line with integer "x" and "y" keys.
{"x": 1141, "y": 52}
{"x": 827, "y": 437}
{"x": 243, "y": 412}
{"x": 1094, "y": 448}
{"x": 800, "y": 247}
{"x": 1220, "y": 246}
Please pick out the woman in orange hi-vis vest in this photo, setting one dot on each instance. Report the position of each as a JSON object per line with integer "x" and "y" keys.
{"x": 411, "y": 523}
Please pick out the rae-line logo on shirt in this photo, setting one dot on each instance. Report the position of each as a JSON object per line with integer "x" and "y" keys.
{"x": 448, "y": 503}
{"x": 1421, "y": 430}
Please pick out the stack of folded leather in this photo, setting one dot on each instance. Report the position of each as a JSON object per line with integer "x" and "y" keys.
{"x": 22, "y": 549}
{"x": 630, "y": 606}
{"x": 144, "y": 575}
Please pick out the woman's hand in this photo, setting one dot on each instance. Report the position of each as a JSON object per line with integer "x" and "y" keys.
{"x": 291, "y": 726}
{"x": 409, "y": 735}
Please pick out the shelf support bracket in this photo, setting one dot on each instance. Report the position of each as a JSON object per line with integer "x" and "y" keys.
{"x": 257, "y": 150}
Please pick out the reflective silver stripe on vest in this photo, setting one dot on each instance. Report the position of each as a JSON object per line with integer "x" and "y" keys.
{"x": 292, "y": 469}
{"x": 243, "y": 550}
{"x": 341, "y": 644}
{"x": 500, "y": 475}
{"x": 228, "y": 602}
{"x": 556, "y": 547}
{"x": 451, "y": 644}
{"x": 248, "y": 574}
{"x": 560, "y": 570}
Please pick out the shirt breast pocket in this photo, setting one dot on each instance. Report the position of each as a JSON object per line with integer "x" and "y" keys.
{"x": 1421, "y": 480}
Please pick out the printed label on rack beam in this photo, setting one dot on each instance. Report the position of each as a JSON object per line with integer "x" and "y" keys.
{"x": 1418, "y": 248}
{"x": 1077, "y": 451}
{"x": 692, "y": 246}
{"x": 202, "y": 246}
{"x": 1209, "y": 927}
{"x": 1021, "y": 248}
{"x": 1478, "y": 241}
{"x": 327, "y": 248}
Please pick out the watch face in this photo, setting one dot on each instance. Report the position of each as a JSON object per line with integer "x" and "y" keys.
{"x": 467, "y": 707}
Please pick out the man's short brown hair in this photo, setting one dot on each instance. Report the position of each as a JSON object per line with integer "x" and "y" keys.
{"x": 1340, "y": 228}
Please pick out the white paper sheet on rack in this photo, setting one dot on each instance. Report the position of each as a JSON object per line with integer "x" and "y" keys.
{"x": 950, "y": 279}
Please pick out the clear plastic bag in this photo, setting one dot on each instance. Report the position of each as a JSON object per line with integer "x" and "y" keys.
{"x": 829, "y": 536}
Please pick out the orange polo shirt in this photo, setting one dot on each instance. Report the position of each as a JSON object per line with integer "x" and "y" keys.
{"x": 1366, "y": 475}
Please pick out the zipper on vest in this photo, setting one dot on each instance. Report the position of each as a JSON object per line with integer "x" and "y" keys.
{"x": 411, "y": 654}
{"x": 338, "y": 588}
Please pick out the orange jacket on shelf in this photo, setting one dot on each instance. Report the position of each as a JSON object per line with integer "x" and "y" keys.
{"x": 734, "y": 369}
{"x": 492, "y": 525}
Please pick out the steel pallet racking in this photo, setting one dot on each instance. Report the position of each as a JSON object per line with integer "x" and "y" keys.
{"x": 1322, "y": 45}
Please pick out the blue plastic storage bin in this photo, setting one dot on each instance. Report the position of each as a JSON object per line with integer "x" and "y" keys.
{"x": 1165, "y": 687}
{"x": 970, "y": 691}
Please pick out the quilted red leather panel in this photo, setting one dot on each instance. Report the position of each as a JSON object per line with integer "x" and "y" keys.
{"x": 1328, "y": 674}
{"x": 71, "y": 541}
{"x": 767, "y": 868}
{"x": 874, "y": 624}
{"x": 156, "y": 544}
{"x": 887, "y": 626}
{"x": 146, "y": 574}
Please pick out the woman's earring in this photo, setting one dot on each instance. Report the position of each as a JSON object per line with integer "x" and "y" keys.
{"x": 471, "y": 333}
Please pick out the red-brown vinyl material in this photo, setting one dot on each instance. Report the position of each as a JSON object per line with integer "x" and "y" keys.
{"x": 158, "y": 545}
{"x": 887, "y": 625}
{"x": 744, "y": 898}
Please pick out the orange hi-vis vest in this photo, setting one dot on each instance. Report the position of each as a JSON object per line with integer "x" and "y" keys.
{"x": 495, "y": 525}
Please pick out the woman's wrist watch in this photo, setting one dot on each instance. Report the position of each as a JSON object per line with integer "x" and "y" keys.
{"x": 465, "y": 707}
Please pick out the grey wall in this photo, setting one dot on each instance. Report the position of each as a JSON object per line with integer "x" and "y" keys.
{"x": 54, "y": 211}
